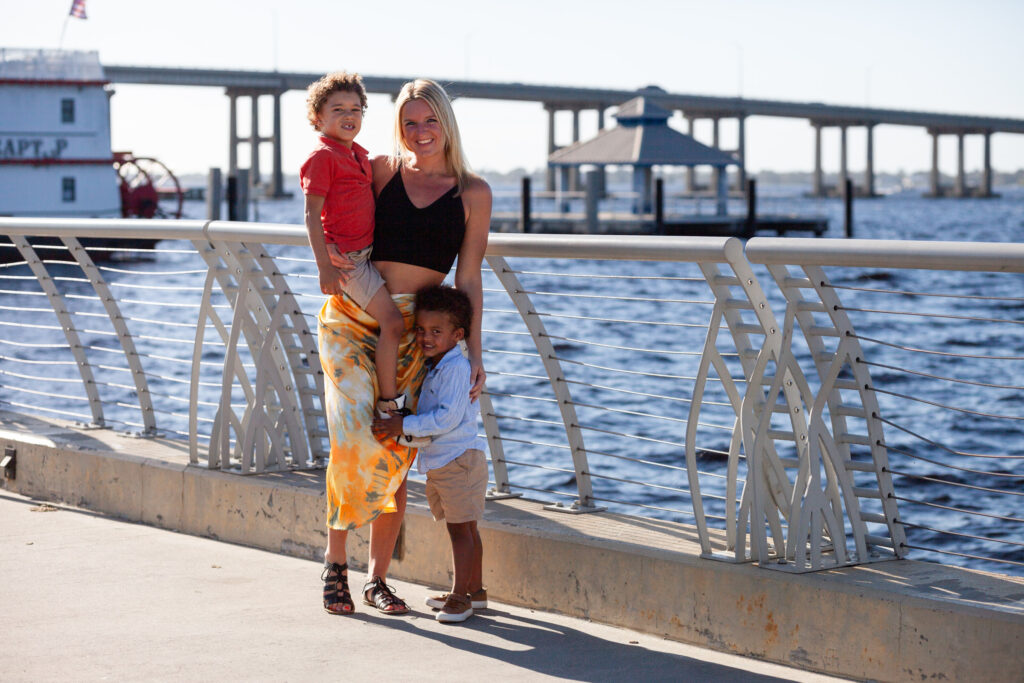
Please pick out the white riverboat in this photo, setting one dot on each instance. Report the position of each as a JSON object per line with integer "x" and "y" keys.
{"x": 55, "y": 150}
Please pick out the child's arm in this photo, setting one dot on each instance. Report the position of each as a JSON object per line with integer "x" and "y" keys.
{"x": 452, "y": 403}
{"x": 331, "y": 279}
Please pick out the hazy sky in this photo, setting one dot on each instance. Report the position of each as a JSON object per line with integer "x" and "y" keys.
{"x": 937, "y": 55}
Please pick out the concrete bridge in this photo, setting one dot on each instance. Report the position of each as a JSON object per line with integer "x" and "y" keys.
{"x": 256, "y": 84}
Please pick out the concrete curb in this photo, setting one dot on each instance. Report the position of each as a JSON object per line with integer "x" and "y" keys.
{"x": 897, "y": 621}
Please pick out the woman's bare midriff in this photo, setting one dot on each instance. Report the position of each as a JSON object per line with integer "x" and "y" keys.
{"x": 403, "y": 278}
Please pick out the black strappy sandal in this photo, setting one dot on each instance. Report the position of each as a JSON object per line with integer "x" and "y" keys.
{"x": 378, "y": 594}
{"x": 337, "y": 598}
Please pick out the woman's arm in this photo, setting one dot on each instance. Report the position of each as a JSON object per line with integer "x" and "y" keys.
{"x": 477, "y": 200}
{"x": 331, "y": 279}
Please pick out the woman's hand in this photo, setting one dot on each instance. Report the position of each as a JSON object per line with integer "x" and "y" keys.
{"x": 479, "y": 376}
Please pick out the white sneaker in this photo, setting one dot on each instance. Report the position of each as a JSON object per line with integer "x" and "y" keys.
{"x": 478, "y": 600}
{"x": 386, "y": 406}
{"x": 457, "y": 608}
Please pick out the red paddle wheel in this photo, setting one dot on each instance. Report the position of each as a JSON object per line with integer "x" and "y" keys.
{"x": 144, "y": 183}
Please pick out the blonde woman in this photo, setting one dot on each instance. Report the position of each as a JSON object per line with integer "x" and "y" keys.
{"x": 431, "y": 210}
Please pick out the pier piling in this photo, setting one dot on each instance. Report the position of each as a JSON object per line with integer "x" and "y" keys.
{"x": 848, "y": 208}
{"x": 213, "y": 194}
{"x": 524, "y": 205}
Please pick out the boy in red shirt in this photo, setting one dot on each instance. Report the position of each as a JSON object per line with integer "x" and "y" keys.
{"x": 337, "y": 181}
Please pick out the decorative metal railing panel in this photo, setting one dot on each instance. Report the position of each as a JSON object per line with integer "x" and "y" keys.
{"x": 883, "y": 396}
{"x": 641, "y": 374}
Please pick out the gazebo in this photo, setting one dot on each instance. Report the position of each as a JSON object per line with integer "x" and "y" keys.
{"x": 643, "y": 139}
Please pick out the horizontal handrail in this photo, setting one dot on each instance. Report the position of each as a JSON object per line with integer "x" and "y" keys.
{"x": 906, "y": 254}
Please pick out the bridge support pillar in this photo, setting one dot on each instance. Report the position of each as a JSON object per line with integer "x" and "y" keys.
{"x": 277, "y": 174}
{"x": 818, "y": 189}
{"x": 691, "y": 173}
{"x": 232, "y": 132}
{"x": 869, "y": 168}
{"x": 254, "y": 143}
{"x": 741, "y": 154}
{"x": 961, "y": 182}
{"x": 935, "y": 190}
{"x": 986, "y": 173}
{"x": 549, "y": 182}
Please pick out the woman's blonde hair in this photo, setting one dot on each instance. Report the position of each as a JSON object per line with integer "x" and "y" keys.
{"x": 434, "y": 95}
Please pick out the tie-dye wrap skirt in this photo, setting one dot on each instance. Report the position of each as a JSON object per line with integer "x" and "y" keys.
{"x": 364, "y": 472}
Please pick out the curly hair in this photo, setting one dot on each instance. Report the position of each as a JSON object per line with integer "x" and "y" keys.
{"x": 338, "y": 81}
{"x": 447, "y": 299}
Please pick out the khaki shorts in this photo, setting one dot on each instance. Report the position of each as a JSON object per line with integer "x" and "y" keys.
{"x": 456, "y": 491}
{"x": 364, "y": 281}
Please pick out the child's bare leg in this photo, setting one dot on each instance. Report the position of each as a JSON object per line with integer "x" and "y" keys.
{"x": 463, "y": 545}
{"x": 392, "y": 327}
{"x": 476, "y": 575}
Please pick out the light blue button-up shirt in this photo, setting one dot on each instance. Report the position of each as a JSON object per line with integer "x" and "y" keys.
{"x": 445, "y": 413}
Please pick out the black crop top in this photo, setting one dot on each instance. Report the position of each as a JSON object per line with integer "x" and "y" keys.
{"x": 429, "y": 237}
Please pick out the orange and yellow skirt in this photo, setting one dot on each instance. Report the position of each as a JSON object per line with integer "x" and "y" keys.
{"x": 363, "y": 473}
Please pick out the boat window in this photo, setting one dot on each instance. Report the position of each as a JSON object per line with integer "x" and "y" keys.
{"x": 67, "y": 110}
{"x": 68, "y": 185}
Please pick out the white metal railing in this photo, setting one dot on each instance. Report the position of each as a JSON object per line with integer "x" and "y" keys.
{"x": 863, "y": 322}
{"x": 646, "y": 374}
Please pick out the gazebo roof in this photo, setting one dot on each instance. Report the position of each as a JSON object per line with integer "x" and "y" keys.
{"x": 642, "y": 138}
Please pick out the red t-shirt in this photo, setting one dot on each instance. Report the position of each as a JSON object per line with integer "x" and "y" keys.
{"x": 344, "y": 178}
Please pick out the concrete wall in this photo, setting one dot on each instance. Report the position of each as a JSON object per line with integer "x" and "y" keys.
{"x": 898, "y": 621}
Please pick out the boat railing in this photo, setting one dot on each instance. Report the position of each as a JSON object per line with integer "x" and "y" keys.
{"x": 648, "y": 375}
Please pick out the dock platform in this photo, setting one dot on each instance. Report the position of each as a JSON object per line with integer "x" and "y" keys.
{"x": 627, "y": 224}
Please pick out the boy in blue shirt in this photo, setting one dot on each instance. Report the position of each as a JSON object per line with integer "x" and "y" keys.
{"x": 454, "y": 460}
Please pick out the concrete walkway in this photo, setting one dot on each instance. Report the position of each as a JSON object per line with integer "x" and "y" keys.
{"x": 87, "y": 598}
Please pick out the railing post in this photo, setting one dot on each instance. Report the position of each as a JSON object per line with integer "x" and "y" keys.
{"x": 124, "y": 337}
{"x": 67, "y": 325}
{"x": 559, "y": 387}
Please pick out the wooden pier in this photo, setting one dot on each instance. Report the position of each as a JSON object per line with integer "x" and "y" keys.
{"x": 627, "y": 224}
{"x": 592, "y": 221}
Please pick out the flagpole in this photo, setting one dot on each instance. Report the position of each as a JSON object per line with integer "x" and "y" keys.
{"x": 63, "y": 31}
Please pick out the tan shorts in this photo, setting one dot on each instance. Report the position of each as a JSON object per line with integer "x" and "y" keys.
{"x": 456, "y": 491}
{"x": 364, "y": 281}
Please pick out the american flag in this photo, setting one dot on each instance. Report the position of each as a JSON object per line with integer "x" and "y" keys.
{"x": 78, "y": 9}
